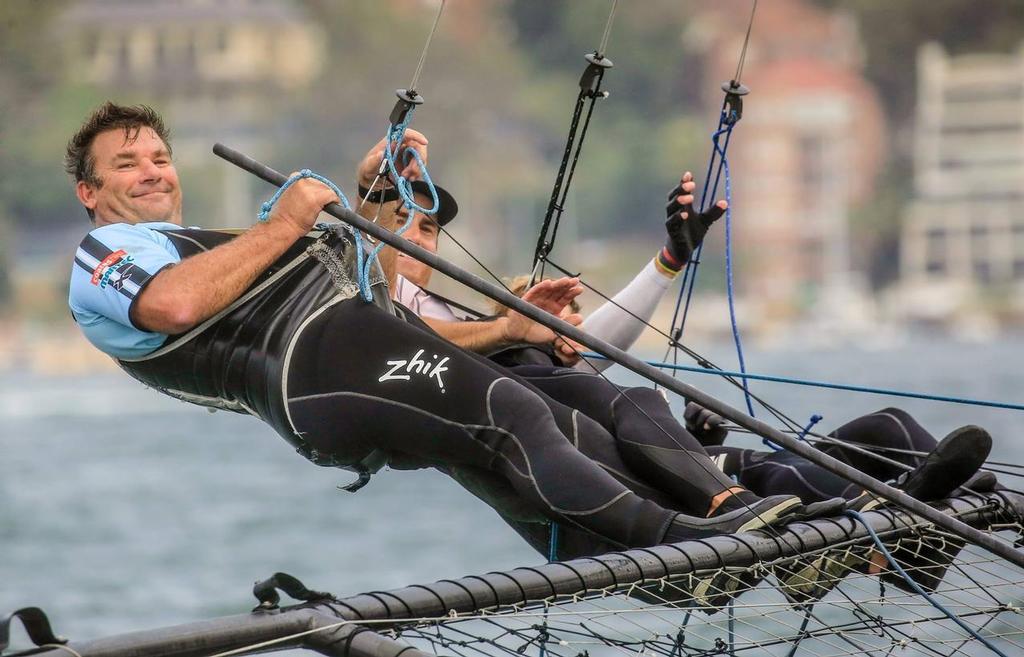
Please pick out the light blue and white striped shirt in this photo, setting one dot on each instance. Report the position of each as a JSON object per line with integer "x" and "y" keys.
{"x": 112, "y": 266}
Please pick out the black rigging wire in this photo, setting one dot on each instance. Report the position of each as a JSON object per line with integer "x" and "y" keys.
{"x": 590, "y": 93}
{"x": 746, "y": 41}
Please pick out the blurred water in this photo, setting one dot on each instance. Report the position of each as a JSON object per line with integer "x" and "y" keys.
{"x": 124, "y": 510}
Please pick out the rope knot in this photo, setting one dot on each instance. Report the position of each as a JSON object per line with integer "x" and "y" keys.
{"x": 268, "y": 206}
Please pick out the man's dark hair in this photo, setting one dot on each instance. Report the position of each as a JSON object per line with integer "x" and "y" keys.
{"x": 78, "y": 159}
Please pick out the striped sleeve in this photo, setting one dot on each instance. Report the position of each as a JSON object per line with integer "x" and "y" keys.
{"x": 111, "y": 267}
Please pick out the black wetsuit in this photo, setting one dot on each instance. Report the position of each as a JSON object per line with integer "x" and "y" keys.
{"x": 651, "y": 441}
{"x": 354, "y": 384}
{"x": 768, "y": 472}
{"x": 648, "y": 434}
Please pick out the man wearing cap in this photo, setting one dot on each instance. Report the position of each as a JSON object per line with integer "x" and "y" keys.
{"x": 409, "y": 287}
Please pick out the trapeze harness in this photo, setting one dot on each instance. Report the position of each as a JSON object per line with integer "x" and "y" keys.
{"x": 350, "y": 384}
{"x": 236, "y": 360}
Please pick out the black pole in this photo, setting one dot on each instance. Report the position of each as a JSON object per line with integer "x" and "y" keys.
{"x": 318, "y": 628}
{"x": 615, "y": 354}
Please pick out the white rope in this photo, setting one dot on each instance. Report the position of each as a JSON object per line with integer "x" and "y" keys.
{"x": 61, "y": 646}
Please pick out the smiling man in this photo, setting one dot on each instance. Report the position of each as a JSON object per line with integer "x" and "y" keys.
{"x": 139, "y": 182}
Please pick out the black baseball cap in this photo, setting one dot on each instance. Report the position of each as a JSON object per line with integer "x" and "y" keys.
{"x": 447, "y": 207}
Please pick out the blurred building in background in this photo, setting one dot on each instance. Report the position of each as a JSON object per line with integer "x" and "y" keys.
{"x": 214, "y": 69}
{"x": 962, "y": 247}
{"x": 208, "y": 65}
{"x": 807, "y": 150}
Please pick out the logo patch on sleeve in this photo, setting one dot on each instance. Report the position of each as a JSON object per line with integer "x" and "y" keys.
{"x": 109, "y": 265}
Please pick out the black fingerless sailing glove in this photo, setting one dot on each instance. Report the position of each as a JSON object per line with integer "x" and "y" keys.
{"x": 684, "y": 235}
{"x": 705, "y": 425}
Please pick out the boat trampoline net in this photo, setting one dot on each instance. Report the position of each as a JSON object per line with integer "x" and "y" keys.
{"x": 822, "y": 587}
{"x": 840, "y": 598}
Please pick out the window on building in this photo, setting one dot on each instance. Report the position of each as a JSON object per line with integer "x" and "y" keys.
{"x": 90, "y": 44}
{"x": 220, "y": 40}
{"x": 1018, "y": 268}
{"x": 124, "y": 53}
{"x": 981, "y": 251}
{"x": 982, "y": 271}
{"x": 812, "y": 163}
{"x": 160, "y": 50}
{"x": 935, "y": 251}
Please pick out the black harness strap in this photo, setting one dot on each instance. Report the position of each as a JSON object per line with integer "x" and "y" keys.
{"x": 266, "y": 591}
{"x": 590, "y": 89}
{"x": 36, "y": 625}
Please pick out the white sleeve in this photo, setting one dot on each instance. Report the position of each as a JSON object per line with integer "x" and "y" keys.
{"x": 621, "y": 329}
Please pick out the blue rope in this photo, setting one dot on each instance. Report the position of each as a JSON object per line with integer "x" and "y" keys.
{"x": 393, "y": 139}
{"x": 826, "y": 384}
{"x": 728, "y": 276}
{"x": 810, "y": 425}
{"x": 914, "y": 585}
{"x": 708, "y": 192}
{"x": 265, "y": 209}
{"x": 396, "y": 132}
{"x": 800, "y": 436}
{"x": 553, "y": 543}
{"x": 726, "y": 122}
{"x": 268, "y": 206}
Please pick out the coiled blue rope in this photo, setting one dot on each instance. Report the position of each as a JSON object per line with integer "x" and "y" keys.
{"x": 265, "y": 209}
{"x": 396, "y": 133}
{"x": 268, "y": 206}
{"x": 914, "y": 585}
{"x": 392, "y": 141}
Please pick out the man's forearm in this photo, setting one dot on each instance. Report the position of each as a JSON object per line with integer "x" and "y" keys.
{"x": 200, "y": 286}
{"x": 481, "y": 337}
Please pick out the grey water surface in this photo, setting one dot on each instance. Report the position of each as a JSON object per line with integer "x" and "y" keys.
{"x": 122, "y": 510}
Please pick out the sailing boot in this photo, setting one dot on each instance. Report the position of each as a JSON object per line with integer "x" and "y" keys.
{"x": 955, "y": 462}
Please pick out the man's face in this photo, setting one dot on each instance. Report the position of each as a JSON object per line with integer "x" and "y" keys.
{"x": 423, "y": 232}
{"x": 139, "y": 182}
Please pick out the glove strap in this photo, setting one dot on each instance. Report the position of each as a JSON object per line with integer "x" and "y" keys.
{"x": 667, "y": 264}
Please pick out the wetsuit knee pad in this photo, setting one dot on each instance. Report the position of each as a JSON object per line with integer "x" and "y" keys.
{"x": 520, "y": 411}
{"x": 647, "y": 399}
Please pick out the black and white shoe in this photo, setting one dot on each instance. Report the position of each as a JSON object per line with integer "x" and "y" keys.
{"x": 764, "y": 512}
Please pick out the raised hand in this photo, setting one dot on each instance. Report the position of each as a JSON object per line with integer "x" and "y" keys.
{"x": 370, "y": 164}
{"x": 686, "y": 228}
{"x": 706, "y": 426}
{"x": 552, "y": 296}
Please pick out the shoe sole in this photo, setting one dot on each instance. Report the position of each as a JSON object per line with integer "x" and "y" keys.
{"x": 770, "y": 516}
